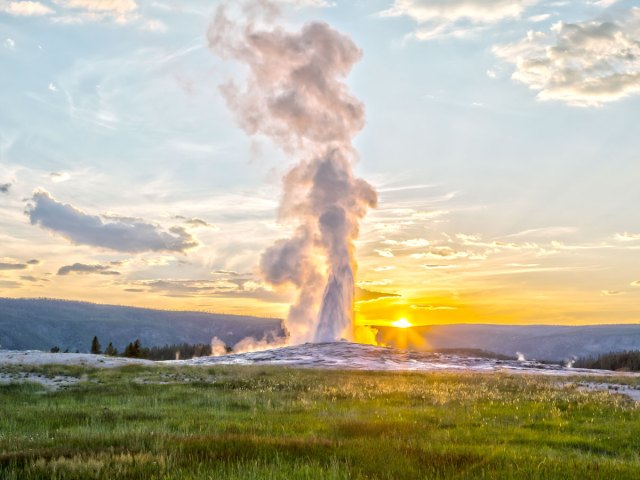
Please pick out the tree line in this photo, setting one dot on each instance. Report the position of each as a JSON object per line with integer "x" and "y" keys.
{"x": 628, "y": 360}
{"x": 135, "y": 349}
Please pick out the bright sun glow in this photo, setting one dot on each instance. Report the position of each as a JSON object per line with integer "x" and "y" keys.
{"x": 402, "y": 323}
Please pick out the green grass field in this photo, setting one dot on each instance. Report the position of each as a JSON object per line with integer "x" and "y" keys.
{"x": 275, "y": 423}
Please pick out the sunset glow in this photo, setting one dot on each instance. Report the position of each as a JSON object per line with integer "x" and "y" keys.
{"x": 129, "y": 176}
{"x": 402, "y": 323}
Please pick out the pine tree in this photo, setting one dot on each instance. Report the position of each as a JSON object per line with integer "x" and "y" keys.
{"x": 55, "y": 349}
{"x": 111, "y": 350}
{"x": 133, "y": 350}
{"x": 96, "y": 348}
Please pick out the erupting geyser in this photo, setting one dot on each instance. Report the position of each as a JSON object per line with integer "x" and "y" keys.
{"x": 295, "y": 94}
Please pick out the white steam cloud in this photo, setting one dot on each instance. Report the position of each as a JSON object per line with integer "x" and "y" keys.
{"x": 295, "y": 94}
{"x": 250, "y": 344}
{"x": 218, "y": 347}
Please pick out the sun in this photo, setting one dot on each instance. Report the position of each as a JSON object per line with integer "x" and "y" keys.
{"x": 402, "y": 323}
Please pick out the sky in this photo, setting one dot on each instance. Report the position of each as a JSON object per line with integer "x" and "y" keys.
{"x": 502, "y": 138}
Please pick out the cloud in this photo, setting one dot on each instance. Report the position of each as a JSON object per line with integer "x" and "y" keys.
{"x": 604, "y": 3}
{"x": 83, "y": 269}
{"x": 636, "y": 283}
{"x": 117, "y": 8}
{"x": 241, "y": 288}
{"x": 29, "y": 278}
{"x": 5, "y": 187}
{"x": 59, "y": 177}
{"x": 308, "y": 3}
{"x": 627, "y": 237}
{"x": 448, "y": 253}
{"x": 582, "y": 64}
{"x": 611, "y": 293}
{"x": 120, "y": 234}
{"x": 10, "y": 43}
{"x": 9, "y": 284}
{"x": 539, "y": 18}
{"x": 120, "y": 11}
{"x": 379, "y": 283}
{"x": 13, "y": 266}
{"x": 543, "y": 232}
{"x": 384, "y": 269}
{"x": 363, "y": 295}
{"x": 385, "y": 253}
{"x": 432, "y": 308}
{"x": 455, "y": 18}
{"x": 411, "y": 243}
{"x": 25, "y": 9}
{"x": 195, "y": 222}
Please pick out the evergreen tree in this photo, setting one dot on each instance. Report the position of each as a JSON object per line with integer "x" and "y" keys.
{"x": 96, "y": 348}
{"x": 55, "y": 349}
{"x": 133, "y": 350}
{"x": 111, "y": 350}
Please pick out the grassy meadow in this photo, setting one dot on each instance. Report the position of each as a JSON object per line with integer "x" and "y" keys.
{"x": 278, "y": 423}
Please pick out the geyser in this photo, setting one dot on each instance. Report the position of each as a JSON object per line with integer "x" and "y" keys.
{"x": 295, "y": 94}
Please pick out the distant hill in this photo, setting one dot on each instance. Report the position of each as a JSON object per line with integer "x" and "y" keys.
{"x": 42, "y": 323}
{"x": 539, "y": 342}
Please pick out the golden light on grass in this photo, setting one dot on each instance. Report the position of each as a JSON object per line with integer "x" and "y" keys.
{"x": 402, "y": 323}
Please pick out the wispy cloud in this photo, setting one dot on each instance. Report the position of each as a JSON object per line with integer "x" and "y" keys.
{"x": 611, "y": 293}
{"x": 84, "y": 269}
{"x": 455, "y": 18}
{"x": 238, "y": 287}
{"x": 364, "y": 295}
{"x": 25, "y": 9}
{"x": 121, "y": 11}
{"x": 438, "y": 267}
{"x": 308, "y": 3}
{"x": 13, "y": 266}
{"x": 195, "y": 222}
{"x": 543, "y": 232}
{"x": 409, "y": 243}
{"x": 59, "y": 177}
{"x": 539, "y": 18}
{"x": 432, "y": 308}
{"x": 447, "y": 253}
{"x": 627, "y": 237}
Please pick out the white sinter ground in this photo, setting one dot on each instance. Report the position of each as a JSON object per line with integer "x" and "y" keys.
{"x": 37, "y": 358}
{"x": 336, "y": 355}
{"x": 356, "y": 356}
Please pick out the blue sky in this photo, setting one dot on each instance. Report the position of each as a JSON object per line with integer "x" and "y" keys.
{"x": 502, "y": 138}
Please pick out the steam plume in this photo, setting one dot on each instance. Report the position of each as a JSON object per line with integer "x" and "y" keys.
{"x": 295, "y": 94}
